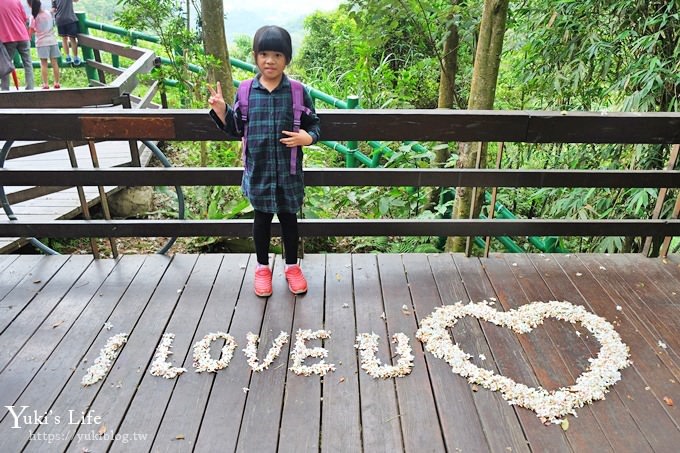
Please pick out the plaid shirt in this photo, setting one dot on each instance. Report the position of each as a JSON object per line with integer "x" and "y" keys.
{"x": 267, "y": 181}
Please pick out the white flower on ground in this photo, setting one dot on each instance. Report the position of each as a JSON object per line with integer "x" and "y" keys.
{"x": 202, "y": 359}
{"x": 367, "y": 344}
{"x": 251, "y": 351}
{"x": 549, "y": 406}
{"x": 103, "y": 363}
{"x": 160, "y": 365}
{"x": 301, "y": 352}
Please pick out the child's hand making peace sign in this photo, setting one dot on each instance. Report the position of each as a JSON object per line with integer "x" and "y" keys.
{"x": 216, "y": 101}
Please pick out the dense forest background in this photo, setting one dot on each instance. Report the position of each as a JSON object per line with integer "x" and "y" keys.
{"x": 612, "y": 55}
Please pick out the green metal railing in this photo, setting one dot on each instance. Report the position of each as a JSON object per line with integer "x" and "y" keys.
{"x": 351, "y": 151}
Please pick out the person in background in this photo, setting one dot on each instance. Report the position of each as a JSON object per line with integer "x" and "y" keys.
{"x": 42, "y": 24}
{"x": 67, "y": 27}
{"x": 14, "y": 36}
{"x": 272, "y": 178}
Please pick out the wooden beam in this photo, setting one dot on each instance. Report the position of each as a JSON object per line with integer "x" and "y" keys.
{"x": 56, "y": 99}
{"x": 386, "y": 177}
{"x": 105, "y": 67}
{"x": 340, "y": 227}
{"x": 445, "y": 125}
{"x": 113, "y": 47}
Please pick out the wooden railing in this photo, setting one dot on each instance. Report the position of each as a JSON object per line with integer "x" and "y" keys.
{"x": 427, "y": 125}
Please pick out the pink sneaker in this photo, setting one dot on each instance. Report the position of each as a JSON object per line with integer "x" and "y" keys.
{"x": 296, "y": 281}
{"x": 263, "y": 281}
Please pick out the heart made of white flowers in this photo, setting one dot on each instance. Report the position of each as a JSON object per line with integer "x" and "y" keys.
{"x": 548, "y": 406}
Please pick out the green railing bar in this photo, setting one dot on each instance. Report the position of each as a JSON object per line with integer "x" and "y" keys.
{"x": 135, "y": 35}
{"x": 508, "y": 243}
{"x": 361, "y": 157}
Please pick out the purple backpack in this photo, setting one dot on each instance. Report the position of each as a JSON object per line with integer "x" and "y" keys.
{"x": 298, "y": 109}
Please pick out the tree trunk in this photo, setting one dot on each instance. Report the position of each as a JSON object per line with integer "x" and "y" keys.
{"x": 447, "y": 92}
{"x": 215, "y": 44}
{"x": 482, "y": 93}
{"x": 449, "y": 64}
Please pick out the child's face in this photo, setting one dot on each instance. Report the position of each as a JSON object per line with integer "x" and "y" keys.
{"x": 271, "y": 64}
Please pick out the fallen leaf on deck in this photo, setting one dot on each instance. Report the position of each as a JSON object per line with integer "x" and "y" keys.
{"x": 179, "y": 437}
{"x": 564, "y": 424}
{"x": 102, "y": 430}
{"x": 342, "y": 379}
{"x": 37, "y": 281}
{"x": 668, "y": 401}
{"x": 57, "y": 324}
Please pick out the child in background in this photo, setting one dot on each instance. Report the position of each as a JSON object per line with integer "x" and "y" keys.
{"x": 42, "y": 24}
{"x": 67, "y": 27}
{"x": 272, "y": 178}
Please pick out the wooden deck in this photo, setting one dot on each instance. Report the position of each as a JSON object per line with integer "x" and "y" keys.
{"x": 53, "y": 311}
{"x": 64, "y": 204}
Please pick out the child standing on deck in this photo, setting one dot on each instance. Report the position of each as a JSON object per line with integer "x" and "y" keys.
{"x": 272, "y": 177}
{"x": 42, "y": 24}
{"x": 67, "y": 27}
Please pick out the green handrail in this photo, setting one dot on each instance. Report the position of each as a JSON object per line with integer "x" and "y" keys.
{"x": 351, "y": 152}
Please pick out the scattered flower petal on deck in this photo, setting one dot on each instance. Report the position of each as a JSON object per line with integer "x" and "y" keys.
{"x": 549, "y": 406}
{"x": 160, "y": 366}
{"x": 102, "y": 364}
{"x": 301, "y": 352}
{"x": 367, "y": 344}
{"x": 251, "y": 351}
{"x": 203, "y": 361}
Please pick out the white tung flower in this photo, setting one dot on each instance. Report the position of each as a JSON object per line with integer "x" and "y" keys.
{"x": 203, "y": 361}
{"x": 549, "y": 406}
{"x": 103, "y": 363}
{"x": 160, "y": 365}
{"x": 367, "y": 344}
{"x": 251, "y": 351}
{"x": 301, "y": 352}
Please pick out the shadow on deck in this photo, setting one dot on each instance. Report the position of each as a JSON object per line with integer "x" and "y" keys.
{"x": 53, "y": 311}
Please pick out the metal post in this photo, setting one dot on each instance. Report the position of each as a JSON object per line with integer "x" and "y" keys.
{"x": 473, "y": 202}
{"x": 353, "y": 145}
{"x": 663, "y": 252}
{"x": 88, "y": 54}
{"x": 134, "y": 149}
{"x": 81, "y": 195}
{"x": 661, "y": 198}
{"x": 494, "y": 191}
{"x": 102, "y": 195}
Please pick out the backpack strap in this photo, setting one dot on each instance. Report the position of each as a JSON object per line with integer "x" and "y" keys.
{"x": 299, "y": 108}
{"x": 242, "y": 98}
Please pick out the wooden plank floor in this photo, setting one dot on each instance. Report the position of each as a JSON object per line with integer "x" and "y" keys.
{"x": 64, "y": 204}
{"x": 55, "y": 310}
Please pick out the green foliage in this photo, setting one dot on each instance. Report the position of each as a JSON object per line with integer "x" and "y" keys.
{"x": 593, "y": 55}
{"x": 341, "y": 50}
{"x": 558, "y": 55}
{"x": 182, "y": 46}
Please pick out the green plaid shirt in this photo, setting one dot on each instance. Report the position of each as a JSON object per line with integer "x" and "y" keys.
{"x": 267, "y": 181}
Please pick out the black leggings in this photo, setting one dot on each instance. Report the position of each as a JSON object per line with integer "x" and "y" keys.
{"x": 262, "y": 233}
